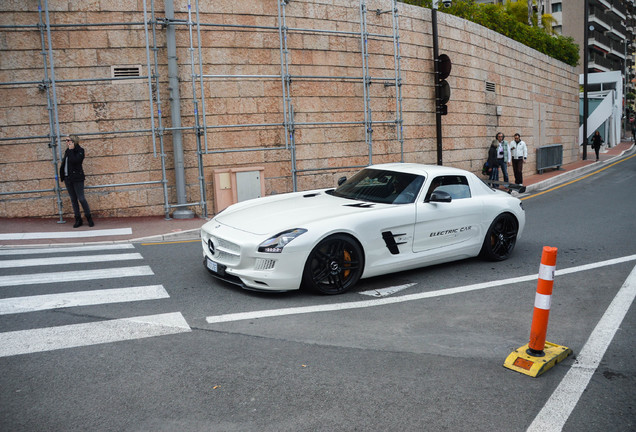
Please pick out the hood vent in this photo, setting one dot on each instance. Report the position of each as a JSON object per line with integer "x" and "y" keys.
{"x": 360, "y": 205}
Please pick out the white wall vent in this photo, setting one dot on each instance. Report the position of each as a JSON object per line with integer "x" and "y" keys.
{"x": 125, "y": 71}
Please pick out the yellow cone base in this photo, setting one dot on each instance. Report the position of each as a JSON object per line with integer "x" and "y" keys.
{"x": 522, "y": 362}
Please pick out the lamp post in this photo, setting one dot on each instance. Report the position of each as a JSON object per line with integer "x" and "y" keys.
{"x": 625, "y": 102}
{"x": 585, "y": 67}
{"x": 438, "y": 96}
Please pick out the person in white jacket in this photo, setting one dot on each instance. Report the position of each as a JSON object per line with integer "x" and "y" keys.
{"x": 519, "y": 152}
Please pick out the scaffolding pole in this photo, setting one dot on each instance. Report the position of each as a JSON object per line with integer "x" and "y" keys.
{"x": 52, "y": 115}
{"x": 366, "y": 82}
{"x": 288, "y": 108}
{"x": 56, "y": 140}
{"x": 197, "y": 126}
{"x": 202, "y": 189}
{"x": 399, "y": 121}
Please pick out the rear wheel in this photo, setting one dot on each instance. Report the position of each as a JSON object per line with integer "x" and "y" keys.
{"x": 501, "y": 238}
{"x": 334, "y": 265}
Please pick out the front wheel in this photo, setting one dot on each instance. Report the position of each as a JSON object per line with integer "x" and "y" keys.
{"x": 501, "y": 238}
{"x": 334, "y": 265}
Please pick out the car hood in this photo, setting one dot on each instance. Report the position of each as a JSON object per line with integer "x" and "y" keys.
{"x": 273, "y": 214}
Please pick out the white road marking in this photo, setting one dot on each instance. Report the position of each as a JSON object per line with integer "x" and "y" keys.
{"x": 65, "y": 234}
{"x": 69, "y": 260}
{"x": 401, "y": 299}
{"x": 383, "y": 292}
{"x": 77, "y": 335}
{"x": 57, "y": 250}
{"x": 73, "y": 276}
{"x": 558, "y": 408}
{"x": 16, "y": 305}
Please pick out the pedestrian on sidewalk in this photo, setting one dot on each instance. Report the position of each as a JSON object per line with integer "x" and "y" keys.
{"x": 503, "y": 154}
{"x": 519, "y": 152}
{"x": 633, "y": 130}
{"x": 597, "y": 141}
{"x": 492, "y": 163}
{"x": 72, "y": 174}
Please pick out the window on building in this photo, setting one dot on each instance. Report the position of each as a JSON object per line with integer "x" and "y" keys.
{"x": 557, "y": 7}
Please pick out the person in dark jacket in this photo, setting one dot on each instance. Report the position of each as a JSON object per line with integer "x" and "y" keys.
{"x": 597, "y": 142}
{"x": 72, "y": 174}
{"x": 493, "y": 163}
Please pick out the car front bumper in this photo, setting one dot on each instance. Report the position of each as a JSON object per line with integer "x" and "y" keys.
{"x": 232, "y": 255}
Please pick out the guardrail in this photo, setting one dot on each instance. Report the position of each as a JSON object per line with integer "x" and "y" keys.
{"x": 550, "y": 156}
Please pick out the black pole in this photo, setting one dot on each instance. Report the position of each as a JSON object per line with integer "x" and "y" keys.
{"x": 585, "y": 67}
{"x": 438, "y": 96}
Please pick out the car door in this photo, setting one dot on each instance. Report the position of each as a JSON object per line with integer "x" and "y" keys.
{"x": 447, "y": 224}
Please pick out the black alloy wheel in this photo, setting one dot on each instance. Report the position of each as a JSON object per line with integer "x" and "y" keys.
{"x": 334, "y": 265}
{"x": 501, "y": 238}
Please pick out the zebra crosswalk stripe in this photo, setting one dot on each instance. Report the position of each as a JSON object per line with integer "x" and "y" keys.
{"x": 79, "y": 259}
{"x": 77, "y": 335}
{"x": 64, "y": 249}
{"x": 74, "y": 276}
{"x": 16, "y": 305}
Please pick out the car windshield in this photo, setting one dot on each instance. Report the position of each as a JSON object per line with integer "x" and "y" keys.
{"x": 380, "y": 186}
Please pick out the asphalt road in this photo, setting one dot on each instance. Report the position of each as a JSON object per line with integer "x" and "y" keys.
{"x": 424, "y": 357}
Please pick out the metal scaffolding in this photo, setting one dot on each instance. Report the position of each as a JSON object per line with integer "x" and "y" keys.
{"x": 201, "y": 129}
{"x": 50, "y": 84}
{"x": 286, "y": 77}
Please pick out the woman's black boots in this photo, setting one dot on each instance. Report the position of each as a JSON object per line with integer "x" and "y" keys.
{"x": 78, "y": 221}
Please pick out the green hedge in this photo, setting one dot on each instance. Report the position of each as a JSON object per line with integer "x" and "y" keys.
{"x": 498, "y": 18}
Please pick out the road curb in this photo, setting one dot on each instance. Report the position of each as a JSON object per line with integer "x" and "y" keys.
{"x": 186, "y": 235}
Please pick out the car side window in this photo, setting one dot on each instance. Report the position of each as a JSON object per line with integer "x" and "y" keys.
{"x": 456, "y": 186}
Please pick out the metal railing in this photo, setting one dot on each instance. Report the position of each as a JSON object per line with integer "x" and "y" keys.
{"x": 550, "y": 156}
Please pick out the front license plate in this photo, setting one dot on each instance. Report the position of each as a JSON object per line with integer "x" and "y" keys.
{"x": 215, "y": 267}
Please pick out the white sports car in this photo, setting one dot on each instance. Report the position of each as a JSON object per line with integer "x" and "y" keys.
{"x": 386, "y": 218}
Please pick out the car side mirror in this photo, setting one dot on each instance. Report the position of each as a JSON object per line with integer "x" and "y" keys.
{"x": 440, "y": 196}
{"x": 341, "y": 180}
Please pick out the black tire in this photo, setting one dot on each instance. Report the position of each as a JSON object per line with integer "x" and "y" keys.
{"x": 334, "y": 265}
{"x": 501, "y": 238}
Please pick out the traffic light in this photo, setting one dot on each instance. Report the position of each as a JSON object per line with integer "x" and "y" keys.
{"x": 442, "y": 88}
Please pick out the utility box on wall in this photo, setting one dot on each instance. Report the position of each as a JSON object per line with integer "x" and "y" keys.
{"x": 232, "y": 185}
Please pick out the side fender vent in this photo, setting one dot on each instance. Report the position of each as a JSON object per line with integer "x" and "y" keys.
{"x": 391, "y": 244}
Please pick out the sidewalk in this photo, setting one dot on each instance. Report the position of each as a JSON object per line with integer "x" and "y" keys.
{"x": 152, "y": 229}
{"x": 48, "y": 231}
{"x": 549, "y": 178}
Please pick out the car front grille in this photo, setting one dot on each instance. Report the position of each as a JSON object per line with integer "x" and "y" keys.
{"x": 228, "y": 253}
{"x": 224, "y": 251}
{"x": 228, "y": 246}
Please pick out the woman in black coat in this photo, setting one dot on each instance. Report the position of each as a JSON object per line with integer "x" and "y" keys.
{"x": 72, "y": 174}
{"x": 597, "y": 141}
{"x": 493, "y": 165}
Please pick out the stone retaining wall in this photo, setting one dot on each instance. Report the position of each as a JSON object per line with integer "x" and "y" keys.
{"x": 538, "y": 97}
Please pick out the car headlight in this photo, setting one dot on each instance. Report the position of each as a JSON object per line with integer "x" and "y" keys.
{"x": 279, "y": 241}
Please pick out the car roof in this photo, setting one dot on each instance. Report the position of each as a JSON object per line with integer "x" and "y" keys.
{"x": 420, "y": 169}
